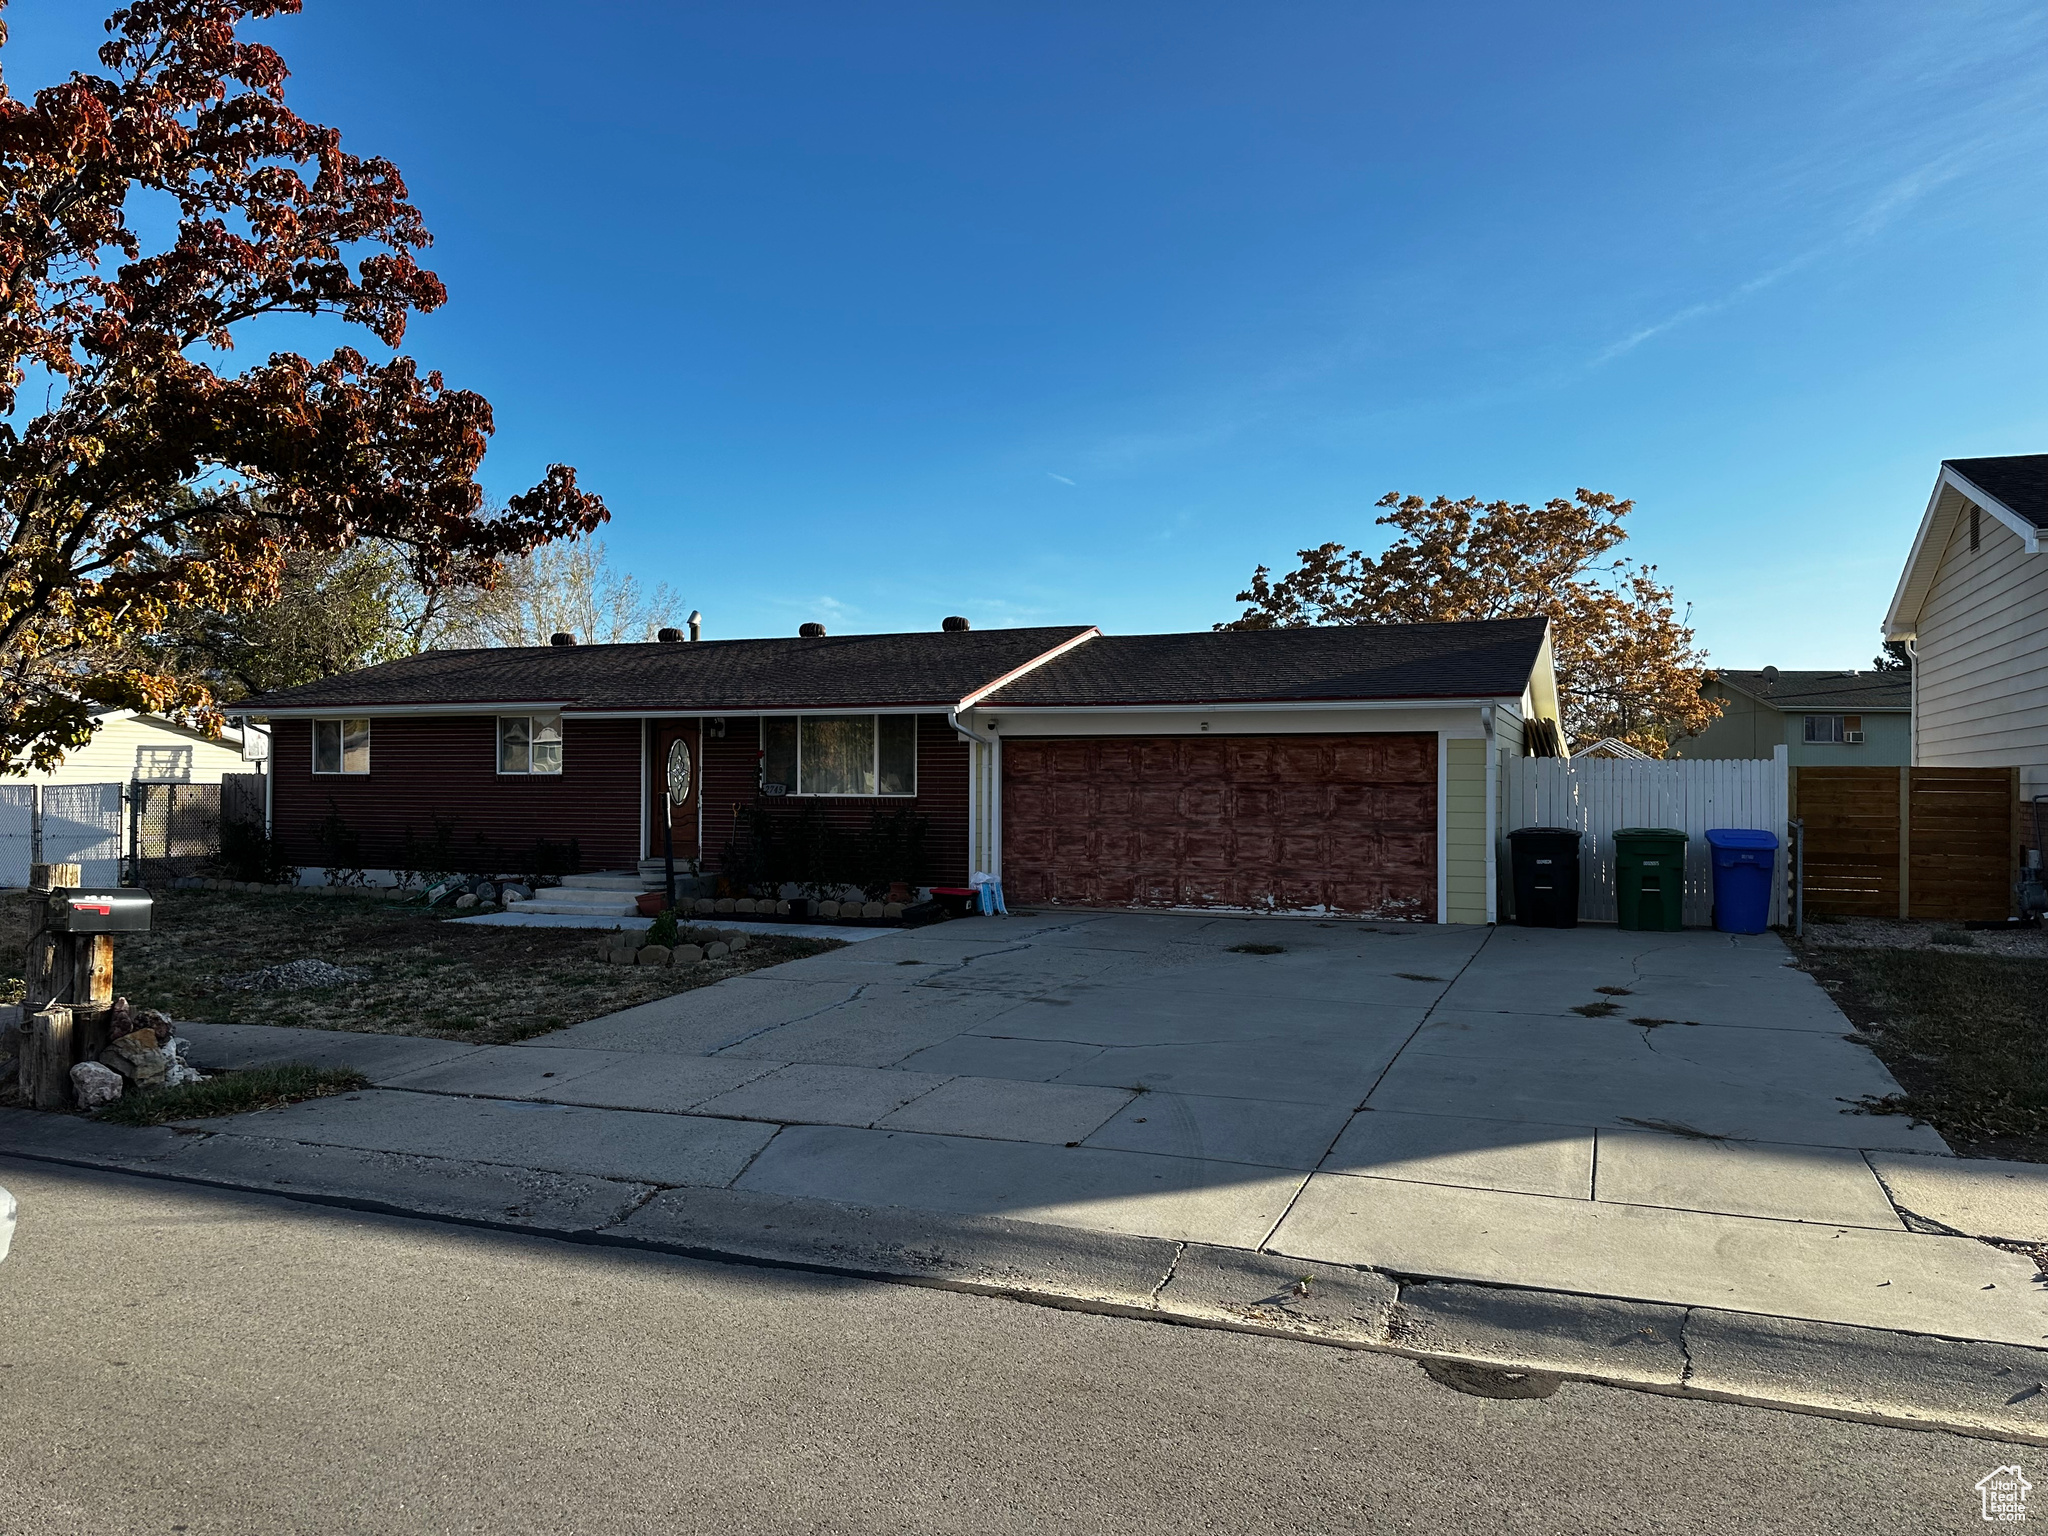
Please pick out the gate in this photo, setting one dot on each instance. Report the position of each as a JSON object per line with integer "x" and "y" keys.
{"x": 175, "y": 830}
{"x": 81, "y": 824}
{"x": 1935, "y": 843}
{"x": 17, "y": 833}
{"x": 1598, "y": 796}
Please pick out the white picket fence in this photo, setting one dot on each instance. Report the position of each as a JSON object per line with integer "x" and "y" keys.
{"x": 1600, "y": 795}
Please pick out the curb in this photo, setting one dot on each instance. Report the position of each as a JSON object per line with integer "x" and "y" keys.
{"x": 1488, "y": 1339}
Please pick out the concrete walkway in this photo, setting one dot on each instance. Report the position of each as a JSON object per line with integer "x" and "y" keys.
{"x": 1447, "y": 1102}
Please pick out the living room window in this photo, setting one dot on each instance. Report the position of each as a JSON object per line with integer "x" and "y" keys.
{"x": 863, "y": 755}
{"x": 341, "y": 746}
{"x": 529, "y": 743}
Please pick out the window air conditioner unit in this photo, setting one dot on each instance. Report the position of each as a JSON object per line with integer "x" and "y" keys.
{"x": 1852, "y": 737}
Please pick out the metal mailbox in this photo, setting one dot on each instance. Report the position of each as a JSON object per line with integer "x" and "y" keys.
{"x": 97, "y": 910}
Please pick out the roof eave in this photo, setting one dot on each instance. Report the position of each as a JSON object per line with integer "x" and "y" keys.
{"x": 1930, "y": 540}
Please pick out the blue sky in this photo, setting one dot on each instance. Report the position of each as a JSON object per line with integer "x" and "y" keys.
{"x": 1059, "y": 312}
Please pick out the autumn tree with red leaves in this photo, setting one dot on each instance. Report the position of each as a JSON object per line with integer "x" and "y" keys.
{"x": 154, "y": 478}
{"x": 1627, "y": 666}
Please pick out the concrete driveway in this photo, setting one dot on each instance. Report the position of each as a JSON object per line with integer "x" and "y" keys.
{"x": 1653, "y": 1116}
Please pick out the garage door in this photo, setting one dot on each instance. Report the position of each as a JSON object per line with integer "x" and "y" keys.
{"x": 1337, "y": 823}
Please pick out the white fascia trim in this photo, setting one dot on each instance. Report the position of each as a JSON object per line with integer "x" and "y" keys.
{"x": 1030, "y": 666}
{"x": 2030, "y": 536}
{"x": 1902, "y": 625}
{"x": 1289, "y": 706}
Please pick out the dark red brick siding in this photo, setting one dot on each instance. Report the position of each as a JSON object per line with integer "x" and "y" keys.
{"x": 449, "y": 765}
{"x": 732, "y": 772}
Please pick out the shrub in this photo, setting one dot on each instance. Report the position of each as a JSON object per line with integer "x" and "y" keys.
{"x": 341, "y": 849}
{"x": 248, "y": 852}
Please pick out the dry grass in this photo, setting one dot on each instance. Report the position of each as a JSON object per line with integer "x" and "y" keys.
{"x": 1965, "y": 1034}
{"x": 427, "y": 976}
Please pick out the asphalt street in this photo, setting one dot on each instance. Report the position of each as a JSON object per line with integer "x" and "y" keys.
{"x": 174, "y": 1359}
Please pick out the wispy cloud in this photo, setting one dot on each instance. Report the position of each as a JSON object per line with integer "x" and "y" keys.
{"x": 1706, "y": 307}
{"x": 1063, "y": 480}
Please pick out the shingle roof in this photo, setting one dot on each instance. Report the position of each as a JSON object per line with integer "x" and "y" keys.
{"x": 929, "y": 667}
{"x": 2019, "y": 480}
{"x": 1798, "y": 691}
{"x": 1484, "y": 659}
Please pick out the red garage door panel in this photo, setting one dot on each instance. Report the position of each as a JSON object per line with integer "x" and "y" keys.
{"x": 1337, "y": 823}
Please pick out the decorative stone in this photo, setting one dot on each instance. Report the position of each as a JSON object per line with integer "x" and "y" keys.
{"x": 139, "y": 1058}
{"x": 181, "y": 1071}
{"x": 686, "y": 954}
{"x": 874, "y": 909}
{"x": 782, "y": 909}
{"x": 744, "y": 904}
{"x": 892, "y": 909}
{"x": 704, "y": 904}
{"x": 654, "y": 954}
{"x": 717, "y": 951}
{"x": 93, "y": 1085}
{"x": 724, "y": 904}
{"x": 828, "y": 909}
{"x": 738, "y": 942}
{"x": 466, "y": 900}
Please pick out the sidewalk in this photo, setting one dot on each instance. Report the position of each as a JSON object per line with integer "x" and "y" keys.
{"x": 1134, "y": 1078}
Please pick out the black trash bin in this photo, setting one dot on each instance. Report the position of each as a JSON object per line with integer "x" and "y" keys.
{"x": 1546, "y": 861}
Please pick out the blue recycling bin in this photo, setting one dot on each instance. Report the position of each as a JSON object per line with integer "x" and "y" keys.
{"x": 1743, "y": 865}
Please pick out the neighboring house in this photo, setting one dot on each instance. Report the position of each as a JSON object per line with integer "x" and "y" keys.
{"x": 1973, "y": 603}
{"x": 1609, "y": 746}
{"x": 1825, "y": 719}
{"x": 84, "y": 810}
{"x": 1329, "y": 769}
{"x": 127, "y": 747}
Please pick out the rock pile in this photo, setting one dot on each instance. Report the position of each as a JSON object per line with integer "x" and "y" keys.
{"x": 144, "y": 1054}
{"x": 292, "y": 976}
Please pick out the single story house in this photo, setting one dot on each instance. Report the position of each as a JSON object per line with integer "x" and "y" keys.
{"x": 1823, "y": 719}
{"x": 1344, "y": 769}
{"x": 1972, "y": 603}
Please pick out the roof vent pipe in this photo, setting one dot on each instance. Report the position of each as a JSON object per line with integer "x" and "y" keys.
{"x": 811, "y": 631}
{"x": 669, "y": 636}
{"x": 696, "y": 625}
{"x": 561, "y": 637}
{"x": 955, "y": 625}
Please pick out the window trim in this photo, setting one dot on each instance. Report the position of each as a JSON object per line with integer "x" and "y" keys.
{"x": 529, "y": 771}
{"x": 795, "y": 791}
{"x": 1843, "y": 729}
{"x": 341, "y": 724}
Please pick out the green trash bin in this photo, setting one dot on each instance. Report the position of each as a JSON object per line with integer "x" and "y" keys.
{"x": 1649, "y": 878}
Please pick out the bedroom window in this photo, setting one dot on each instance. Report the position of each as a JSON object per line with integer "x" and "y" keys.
{"x": 1844, "y": 729}
{"x": 341, "y": 746}
{"x": 529, "y": 743}
{"x": 865, "y": 755}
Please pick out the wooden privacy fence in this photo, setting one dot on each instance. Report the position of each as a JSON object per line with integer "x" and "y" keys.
{"x": 1600, "y": 795}
{"x": 1938, "y": 843}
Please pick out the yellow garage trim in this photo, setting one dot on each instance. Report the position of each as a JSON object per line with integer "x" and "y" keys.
{"x": 1465, "y": 850}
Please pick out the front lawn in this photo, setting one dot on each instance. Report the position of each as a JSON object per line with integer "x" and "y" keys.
{"x": 1965, "y": 1034}
{"x": 422, "y": 974}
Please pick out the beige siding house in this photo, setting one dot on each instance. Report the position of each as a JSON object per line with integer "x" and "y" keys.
{"x": 1974, "y": 603}
{"x": 129, "y": 747}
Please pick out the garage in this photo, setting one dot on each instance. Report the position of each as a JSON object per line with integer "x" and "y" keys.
{"x": 1339, "y": 823}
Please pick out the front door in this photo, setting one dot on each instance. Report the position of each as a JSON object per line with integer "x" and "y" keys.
{"x": 675, "y": 747}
